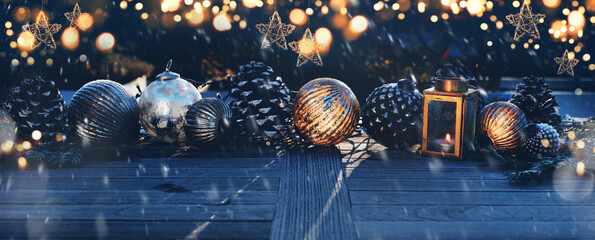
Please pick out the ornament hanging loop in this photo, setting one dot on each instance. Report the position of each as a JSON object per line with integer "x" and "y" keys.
{"x": 168, "y": 66}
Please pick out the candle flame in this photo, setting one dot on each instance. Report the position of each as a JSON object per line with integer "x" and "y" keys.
{"x": 447, "y": 138}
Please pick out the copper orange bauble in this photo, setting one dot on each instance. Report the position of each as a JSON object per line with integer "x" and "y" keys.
{"x": 503, "y": 123}
{"x": 326, "y": 111}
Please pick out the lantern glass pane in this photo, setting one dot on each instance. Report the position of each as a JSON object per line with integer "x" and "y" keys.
{"x": 442, "y": 117}
{"x": 470, "y": 115}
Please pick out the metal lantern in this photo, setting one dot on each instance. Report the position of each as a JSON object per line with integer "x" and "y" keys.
{"x": 104, "y": 112}
{"x": 209, "y": 121}
{"x": 163, "y": 106}
{"x": 326, "y": 111}
{"x": 450, "y": 110}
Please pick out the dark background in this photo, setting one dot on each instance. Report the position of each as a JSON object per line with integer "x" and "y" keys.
{"x": 390, "y": 49}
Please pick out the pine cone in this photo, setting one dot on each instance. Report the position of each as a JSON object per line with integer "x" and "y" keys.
{"x": 542, "y": 140}
{"x": 393, "y": 114}
{"x": 261, "y": 106}
{"x": 534, "y": 97}
{"x": 37, "y": 105}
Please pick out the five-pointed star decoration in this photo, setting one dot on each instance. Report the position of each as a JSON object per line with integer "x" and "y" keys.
{"x": 307, "y": 48}
{"x": 43, "y": 31}
{"x": 566, "y": 63}
{"x": 275, "y": 31}
{"x": 525, "y": 22}
{"x": 74, "y": 15}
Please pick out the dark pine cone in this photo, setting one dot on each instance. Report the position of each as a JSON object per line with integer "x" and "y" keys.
{"x": 261, "y": 106}
{"x": 393, "y": 114}
{"x": 37, "y": 105}
{"x": 534, "y": 97}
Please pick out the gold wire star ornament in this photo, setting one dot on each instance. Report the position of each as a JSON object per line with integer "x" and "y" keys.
{"x": 566, "y": 63}
{"x": 275, "y": 32}
{"x": 307, "y": 48}
{"x": 525, "y": 22}
{"x": 74, "y": 15}
{"x": 43, "y": 31}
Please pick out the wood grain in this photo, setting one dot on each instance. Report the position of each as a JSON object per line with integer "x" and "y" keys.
{"x": 313, "y": 201}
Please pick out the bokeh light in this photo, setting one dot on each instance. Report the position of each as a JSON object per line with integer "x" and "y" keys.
{"x": 298, "y": 17}
{"x": 21, "y": 14}
{"x": 170, "y": 5}
{"x": 576, "y": 19}
{"x": 26, "y": 41}
{"x": 70, "y": 38}
{"x": 84, "y": 21}
{"x": 195, "y": 17}
{"x": 22, "y": 163}
{"x": 324, "y": 38}
{"x": 222, "y": 22}
{"x": 36, "y": 135}
{"x": 306, "y": 46}
{"x": 250, "y": 3}
{"x": 337, "y": 5}
{"x": 476, "y": 7}
{"x": 105, "y": 42}
{"x": 358, "y": 24}
{"x": 551, "y": 3}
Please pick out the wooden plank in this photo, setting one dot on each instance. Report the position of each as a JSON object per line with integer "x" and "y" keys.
{"x": 419, "y": 213}
{"x": 473, "y": 198}
{"x": 454, "y": 174}
{"x": 142, "y": 172}
{"x": 157, "y": 212}
{"x": 465, "y": 230}
{"x": 201, "y": 162}
{"x": 462, "y": 185}
{"x": 82, "y": 197}
{"x": 101, "y": 228}
{"x": 192, "y": 184}
{"x": 313, "y": 201}
{"x": 415, "y": 162}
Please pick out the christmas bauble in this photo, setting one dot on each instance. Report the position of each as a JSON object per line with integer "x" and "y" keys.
{"x": 209, "y": 121}
{"x": 163, "y": 106}
{"x": 104, "y": 112}
{"x": 503, "y": 123}
{"x": 261, "y": 106}
{"x": 326, "y": 111}
{"x": 36, "y": 105}
{"x": 542, "y": 140}
{"x": 393, "y": 114}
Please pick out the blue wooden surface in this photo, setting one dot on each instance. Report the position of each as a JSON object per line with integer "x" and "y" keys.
{"x": 240, "y": 193}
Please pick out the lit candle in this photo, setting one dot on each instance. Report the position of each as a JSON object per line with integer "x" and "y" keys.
{"x": 446, "y": 144}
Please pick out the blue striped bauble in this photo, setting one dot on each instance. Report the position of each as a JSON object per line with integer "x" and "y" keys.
{"x": 103, "y": 112}
{"x": 209, "y": 121}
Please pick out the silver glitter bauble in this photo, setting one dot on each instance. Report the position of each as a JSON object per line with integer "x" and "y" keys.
{"x": 104, "y": 112}
{"x": 163, "y": 106}
{"x": 209, "y": 121}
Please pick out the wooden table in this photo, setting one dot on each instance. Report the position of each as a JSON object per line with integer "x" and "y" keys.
{"x": 323, "y": 193}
